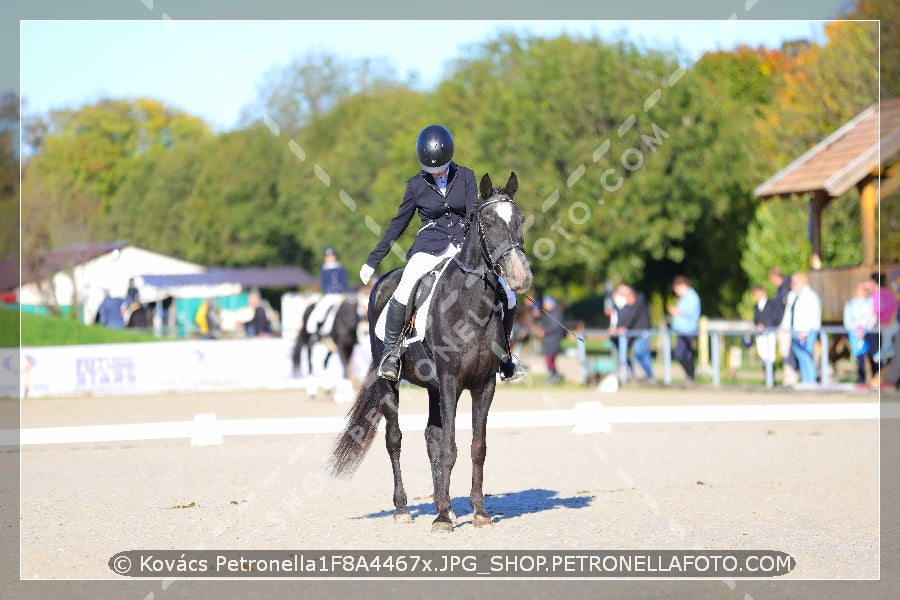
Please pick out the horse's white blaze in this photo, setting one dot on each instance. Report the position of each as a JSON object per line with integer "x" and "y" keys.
{"x": 504, "y": 211}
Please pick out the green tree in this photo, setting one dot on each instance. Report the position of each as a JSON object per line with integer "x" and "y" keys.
{"x": 631, "y": 167}
{"x": 888, "y": 12}
{"x": 93, "y": 147}
{"x": 824, "y": 86}
{"x": 310, "y": 85}
{"x": 349, "y": 183}
{"x": 235, "y": 214}
{"x": 81, "y": 158}
{"x": 149, "y": 208}
{"x": 9, "y": 175}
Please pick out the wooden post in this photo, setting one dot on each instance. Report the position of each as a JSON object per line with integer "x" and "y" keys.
{"x": 868, "y": 200}
{"x": 817, "y": 202}
{"x": 890, "y": 181}
{"x": 703, "y": 345}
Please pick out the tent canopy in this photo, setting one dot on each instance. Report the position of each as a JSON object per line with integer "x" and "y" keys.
{"x": 222, "y": 282}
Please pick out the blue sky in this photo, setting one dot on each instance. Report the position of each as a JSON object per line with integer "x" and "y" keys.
{"x": 213, "y": 69}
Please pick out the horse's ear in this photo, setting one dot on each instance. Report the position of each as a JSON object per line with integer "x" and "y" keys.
{"x": 512, "y": 185}
{"x": 485, "y": 187}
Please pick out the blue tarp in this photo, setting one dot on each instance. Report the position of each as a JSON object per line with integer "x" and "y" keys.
{"x": 260, "y": 277}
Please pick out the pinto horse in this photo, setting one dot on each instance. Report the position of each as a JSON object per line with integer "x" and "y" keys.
{"x": 460, "y": 350}
{"x": 341, "y": 339}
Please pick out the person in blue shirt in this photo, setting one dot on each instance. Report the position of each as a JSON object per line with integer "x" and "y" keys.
{"x": 110, "y": 313}
{"x": 685, "y": 323}
{"x": 859, "y": 318}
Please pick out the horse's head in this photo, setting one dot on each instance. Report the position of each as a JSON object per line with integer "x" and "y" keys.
{"x": 500, "y": 228}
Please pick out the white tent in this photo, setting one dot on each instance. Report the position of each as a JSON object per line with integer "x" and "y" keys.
{"x": 90, "y": 270}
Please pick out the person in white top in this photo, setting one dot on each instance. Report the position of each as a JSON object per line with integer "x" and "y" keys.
{"x": 804, "y": 319}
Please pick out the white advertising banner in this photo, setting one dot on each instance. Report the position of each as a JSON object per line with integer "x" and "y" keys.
{"x": 154, "y": 367}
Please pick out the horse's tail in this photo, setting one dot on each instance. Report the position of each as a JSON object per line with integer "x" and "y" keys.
{"x": 296, "y": 351}
{"x": 302, "y": 340}
{"x": 362, "y": 422}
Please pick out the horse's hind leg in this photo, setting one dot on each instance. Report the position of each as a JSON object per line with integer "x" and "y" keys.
{"x": 481, "y": 403}
{"x": 433, "y": 434}
{"x": 393, "y": 438}
{"x": 446, "y": 460}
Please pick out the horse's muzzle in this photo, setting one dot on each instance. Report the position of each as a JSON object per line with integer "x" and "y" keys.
{"x": 516, "y": 271}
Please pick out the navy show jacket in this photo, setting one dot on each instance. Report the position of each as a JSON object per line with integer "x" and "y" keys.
{"x": 441, "y": 216}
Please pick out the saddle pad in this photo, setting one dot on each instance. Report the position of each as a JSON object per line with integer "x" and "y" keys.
{"x": 418, "y": 331}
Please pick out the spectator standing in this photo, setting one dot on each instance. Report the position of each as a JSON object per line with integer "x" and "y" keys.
{"x": 132, "y": 295}
{"x": 885, "y": 307}
{"x": 207, "y": 320}
{"x": 618, "y": 300}
{"x": 685, "y": 323}
{"x": 259, "y": 325}
{"x": 762, "y": 319}
{"x": 859, "y": 317}
{"x": 132, "y": 301}
{"x": 804, "y": 317}
{"x": 110, "y": 312}
{"x": 200, "y": 318}
{"x": 634, "y": 317}
{"x": 783, "y": 334}
{"x": 214, "y": 321}
{"x": 891, "y": 380}
{"x": 552, "y": 333}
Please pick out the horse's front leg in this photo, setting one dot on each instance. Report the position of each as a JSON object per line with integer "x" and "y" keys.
{"x": 449, "y": 397}
{"x": 392, "y": 438}
{"x": 481, "y": 404}
{"x": 433, "y": 435}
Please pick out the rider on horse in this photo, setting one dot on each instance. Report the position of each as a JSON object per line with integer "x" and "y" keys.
{"x": 443, "y": 193}
{"x": 334, "y": 282}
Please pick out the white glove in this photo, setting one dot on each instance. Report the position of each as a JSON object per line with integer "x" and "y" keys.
{"x": 365, "y": 274}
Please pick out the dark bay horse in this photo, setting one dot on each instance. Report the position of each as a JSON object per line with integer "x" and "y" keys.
{"x": 341, "y": 340}
{"x": 460, "y": 350}
{"x": 140, "y": 315}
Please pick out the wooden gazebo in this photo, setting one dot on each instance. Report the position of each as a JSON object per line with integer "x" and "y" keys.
{"x": 862, "y": 153}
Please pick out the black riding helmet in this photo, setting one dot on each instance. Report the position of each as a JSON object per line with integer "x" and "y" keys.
{"x": 434, "y": 147}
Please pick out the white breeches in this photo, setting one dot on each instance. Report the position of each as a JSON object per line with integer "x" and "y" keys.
{"x": 422, "y": 262}
{"x": 419, "y": 264}
{"x": 322, "y": 310}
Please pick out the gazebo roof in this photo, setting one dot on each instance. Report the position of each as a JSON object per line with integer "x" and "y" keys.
{"x": 844, "y": 158}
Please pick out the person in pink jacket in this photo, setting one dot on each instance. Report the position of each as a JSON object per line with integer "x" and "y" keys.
{"x": 885, "y": 306}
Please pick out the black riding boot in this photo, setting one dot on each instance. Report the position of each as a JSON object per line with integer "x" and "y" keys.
{"x": 510, "y": 368}
{"x": 393, "y": 329}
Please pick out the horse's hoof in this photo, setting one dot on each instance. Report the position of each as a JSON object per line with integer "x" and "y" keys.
{"x": 441, "y": 526}
{"x": 404, "y": 517}
{"x": 479, "y": 521}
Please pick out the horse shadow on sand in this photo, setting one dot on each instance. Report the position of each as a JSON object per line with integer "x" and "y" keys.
{"x": 499, "y": 506}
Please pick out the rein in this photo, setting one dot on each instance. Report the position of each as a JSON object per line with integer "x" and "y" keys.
{"x": 554, "y": 319}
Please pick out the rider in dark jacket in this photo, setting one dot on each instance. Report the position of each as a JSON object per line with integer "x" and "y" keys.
{"x": 442, "y": 193}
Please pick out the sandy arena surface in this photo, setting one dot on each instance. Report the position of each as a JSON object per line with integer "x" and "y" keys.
{"x": 808, "y": 488}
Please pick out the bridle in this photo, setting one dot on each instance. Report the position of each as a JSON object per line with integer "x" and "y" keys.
{"x": 492, "y": 255}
